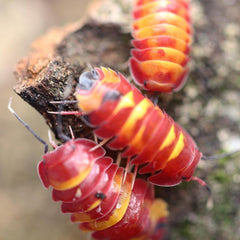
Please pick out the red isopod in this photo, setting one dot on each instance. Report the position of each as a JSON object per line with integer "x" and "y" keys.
{"x": 101, "y": 196}
{"x": 133, "y": 124}
{"x": 162, "y": 34}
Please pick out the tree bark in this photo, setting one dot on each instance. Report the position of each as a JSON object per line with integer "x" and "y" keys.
{"x": 59, "y": 57}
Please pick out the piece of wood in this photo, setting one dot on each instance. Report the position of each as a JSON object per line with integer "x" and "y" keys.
{"x": 61, "y": 56}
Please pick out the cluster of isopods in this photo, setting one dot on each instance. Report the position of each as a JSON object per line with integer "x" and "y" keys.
{"x": 101, "y": 196}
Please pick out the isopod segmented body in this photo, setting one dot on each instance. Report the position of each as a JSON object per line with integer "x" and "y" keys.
{"x": 100, "y": 195}
{"x": 142, "y": 131}
{"x": 162, "y": 34}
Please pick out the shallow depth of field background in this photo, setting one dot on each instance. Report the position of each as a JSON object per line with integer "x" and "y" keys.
{"x": 27, "y": 211}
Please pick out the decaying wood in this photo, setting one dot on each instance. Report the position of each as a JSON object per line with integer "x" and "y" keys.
{"x": 60, "y": 57}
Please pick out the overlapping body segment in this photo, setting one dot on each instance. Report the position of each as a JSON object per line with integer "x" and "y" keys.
{"x": 162, "y": 28}
{"x": 139, "y": 129}
{"x": 106, "y": 199}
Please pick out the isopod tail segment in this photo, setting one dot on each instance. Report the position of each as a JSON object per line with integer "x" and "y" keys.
{"x": 133, "y": 125}
{"x": 162, "y": 36}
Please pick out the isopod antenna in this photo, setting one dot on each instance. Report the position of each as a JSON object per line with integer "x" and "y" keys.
{"x": 60, "y": 132}
{"x": 219, "y": 156}
{"x": 27, "y": 126}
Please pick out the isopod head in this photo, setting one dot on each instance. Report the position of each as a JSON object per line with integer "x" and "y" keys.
{"x": 69, "y": 164}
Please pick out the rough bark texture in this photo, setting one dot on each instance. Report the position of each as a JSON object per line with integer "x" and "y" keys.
{"x": 208, "y": 106}
{"x": 58, "y": 59}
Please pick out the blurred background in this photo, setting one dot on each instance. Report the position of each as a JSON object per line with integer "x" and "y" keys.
{"x": 208, "y": 107}
{"x": 27, "y": 211}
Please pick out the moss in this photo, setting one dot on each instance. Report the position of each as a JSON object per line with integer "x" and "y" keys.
{"x": 221, "y": 177}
